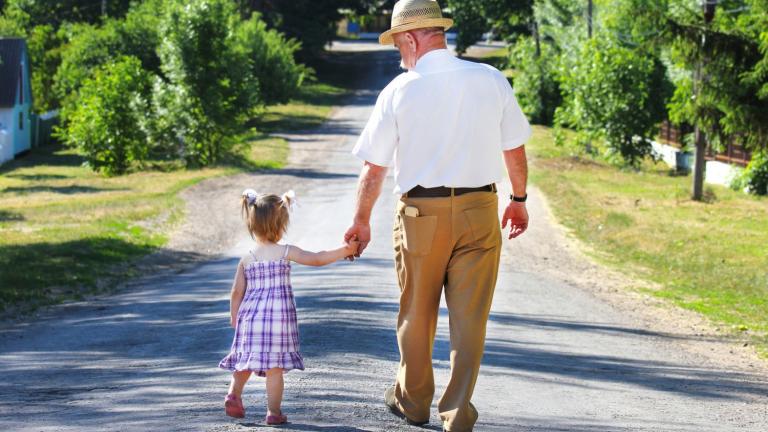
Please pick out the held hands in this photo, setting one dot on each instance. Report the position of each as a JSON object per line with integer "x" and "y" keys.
{"x": 517, "y": 215}
{"x": 359, "y": 233}
{"x": 351, "y": 246}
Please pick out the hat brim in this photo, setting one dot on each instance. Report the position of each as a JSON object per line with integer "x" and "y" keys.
{"x": 386, "y": 37}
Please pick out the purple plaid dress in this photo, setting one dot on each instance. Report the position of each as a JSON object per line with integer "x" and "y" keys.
{"x": 266, "y": 333}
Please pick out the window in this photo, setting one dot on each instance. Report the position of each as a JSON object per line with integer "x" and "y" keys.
{"x": 21, "y": 121}
{"x": 21, "y": 86}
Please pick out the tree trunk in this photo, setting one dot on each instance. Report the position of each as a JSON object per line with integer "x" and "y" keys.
{"x": 699, "y": 165}
{"x": 589, "y": 18}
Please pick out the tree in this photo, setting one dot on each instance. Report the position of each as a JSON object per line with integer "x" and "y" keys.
{"x": 57, "y": 12}
{"x": 311, "y": 22}
{"x": 89, "y": 46}
{"x": 615, "y": 93}
{"x": 208, "y": 90}
{"x": 103, "y": 124}
{"x": 507, "y": 18}
{"x": 536, "y": 83}
{"x": 45, "y": 57}
{"x": 271, "y": 60}
{"x": 718, "y": 84}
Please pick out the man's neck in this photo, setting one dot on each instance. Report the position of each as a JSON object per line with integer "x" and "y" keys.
{"x": 431, "y": 47}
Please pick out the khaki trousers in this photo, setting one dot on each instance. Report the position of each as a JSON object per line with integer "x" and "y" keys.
{"x": 454, "y": 243}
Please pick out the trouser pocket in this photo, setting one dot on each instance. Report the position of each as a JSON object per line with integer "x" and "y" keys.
{"x": 484, "y": 223}
{"x": 418, "y": 233}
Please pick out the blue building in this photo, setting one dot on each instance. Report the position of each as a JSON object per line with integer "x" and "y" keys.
{"x": 15, "y": 99}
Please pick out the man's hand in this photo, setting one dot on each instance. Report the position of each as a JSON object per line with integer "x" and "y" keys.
{"x": 517, "y": 215}
{"x": 362, "y": 233}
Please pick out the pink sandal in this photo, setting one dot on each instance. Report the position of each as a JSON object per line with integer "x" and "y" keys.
{"x": 279, "y": 419}
{"x": 233, "y": 406}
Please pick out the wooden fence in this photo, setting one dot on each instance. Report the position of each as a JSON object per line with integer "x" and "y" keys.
{"x": 733, "y": 153}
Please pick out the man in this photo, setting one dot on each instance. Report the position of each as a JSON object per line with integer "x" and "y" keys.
{"x": 448, "y": 127}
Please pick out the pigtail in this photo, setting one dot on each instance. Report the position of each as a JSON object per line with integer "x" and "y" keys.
{"x": 244, "y": 207}
{"x": 288, "y": 200}
{"x": 248, "y": 209}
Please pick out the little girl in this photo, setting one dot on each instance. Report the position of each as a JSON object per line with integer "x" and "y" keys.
{"x": 262, "y": 308}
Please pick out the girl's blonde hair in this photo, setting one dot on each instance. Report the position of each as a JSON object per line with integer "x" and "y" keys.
{"x": 267, "y": 215}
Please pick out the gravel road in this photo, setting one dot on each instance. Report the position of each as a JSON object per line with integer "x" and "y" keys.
{"x": 567, "y": 348}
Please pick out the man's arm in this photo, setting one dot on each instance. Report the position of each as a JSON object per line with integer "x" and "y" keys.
{"x": 368, "y": 191}
{"x": 516, "y": 213}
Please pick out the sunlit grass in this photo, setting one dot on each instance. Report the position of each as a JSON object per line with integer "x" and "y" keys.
{"x": 63, "y": 227}
{"x": 708, "y": 257}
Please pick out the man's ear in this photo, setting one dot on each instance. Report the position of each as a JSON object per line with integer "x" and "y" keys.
{"x": 412, "y": 42}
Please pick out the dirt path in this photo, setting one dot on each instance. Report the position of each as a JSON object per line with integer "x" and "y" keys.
{"x": 559, "y": 357}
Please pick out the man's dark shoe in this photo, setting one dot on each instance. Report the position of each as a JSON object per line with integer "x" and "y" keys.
{"x": 391, "y": 402}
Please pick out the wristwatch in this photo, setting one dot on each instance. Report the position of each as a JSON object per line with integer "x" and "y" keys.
{"x": 521, "y": 199}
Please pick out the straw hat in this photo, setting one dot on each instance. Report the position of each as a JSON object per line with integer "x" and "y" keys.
{"x": 414, "y": 14}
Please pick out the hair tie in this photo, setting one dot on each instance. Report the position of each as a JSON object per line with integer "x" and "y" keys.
{"x": 251, "y": 195}
{"x": 289, "y": 199}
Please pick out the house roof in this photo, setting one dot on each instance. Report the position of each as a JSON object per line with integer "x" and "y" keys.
{"x": 11, "y": 51}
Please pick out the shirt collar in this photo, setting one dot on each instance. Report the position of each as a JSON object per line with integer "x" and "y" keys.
{"x": 434, "y": 60}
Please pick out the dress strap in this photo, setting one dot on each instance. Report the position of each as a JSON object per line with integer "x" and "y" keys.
{"x": 285, "y": 254}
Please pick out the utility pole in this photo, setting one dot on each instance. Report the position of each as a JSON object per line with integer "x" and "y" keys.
{"x": 104, "y": 8}
{"x": 589, "y": 18}
{"x": 699, "y": 167}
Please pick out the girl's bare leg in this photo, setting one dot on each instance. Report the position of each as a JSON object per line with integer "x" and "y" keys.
{"x": 238, "y": 382}
{"x": 275, "y": 387}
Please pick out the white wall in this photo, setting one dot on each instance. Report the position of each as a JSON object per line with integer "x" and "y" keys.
{"x": 23, "y": 138}
{"x": 6, "y": 142}
{"x": 719, "y": 173}
{"x": 665, "y": 152}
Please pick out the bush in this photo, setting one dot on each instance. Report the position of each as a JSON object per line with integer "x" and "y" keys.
{"x": 209, "y": 89}
{"x": 755, "y": 176}
{"x": 271, "y": 60}
{"x": 615, "y": 93}
{"x": 103, "y": 125}
{"x": 90, "y": 46}
{"x": 536, "y": 85}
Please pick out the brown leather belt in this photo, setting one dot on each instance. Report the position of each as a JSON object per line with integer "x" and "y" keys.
{"x": 442, "y": 191}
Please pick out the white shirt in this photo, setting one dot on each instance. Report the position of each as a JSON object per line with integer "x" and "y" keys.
{"x": 444, "y": 123}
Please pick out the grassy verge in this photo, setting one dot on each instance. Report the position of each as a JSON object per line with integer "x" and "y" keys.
{"x": 708, "y": 257}
{"x": 63, "y": 227}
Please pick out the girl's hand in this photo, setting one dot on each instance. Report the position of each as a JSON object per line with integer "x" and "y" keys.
{"x": 233, "y": 321}
{"x": 352, "y": 246}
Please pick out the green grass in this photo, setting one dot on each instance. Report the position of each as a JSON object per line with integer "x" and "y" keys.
{"x": 711, "y": 257}
{"x": 498, "y": 58}
{"x": 308, "y": 110}
{"x": 64, "y": 229}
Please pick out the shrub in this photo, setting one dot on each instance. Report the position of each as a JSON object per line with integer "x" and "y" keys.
{"x": 615, "y": 93}
{"x": 536, "y": 85}
{"x": 271, "y": 58}
{"x": 755, "y": 176}
{"x": 209, "y": 89}
{"x": 103, "y": 125}
{"x": 90, "y": 46}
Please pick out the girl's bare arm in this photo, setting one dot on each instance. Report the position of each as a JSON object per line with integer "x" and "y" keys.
{"x": 238, "y": 292}
{"x": 321, "y": 258}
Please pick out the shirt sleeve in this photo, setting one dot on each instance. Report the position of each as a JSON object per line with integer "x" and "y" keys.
{"x": 379, "y": 139}
{"x": 515, "y": 129}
